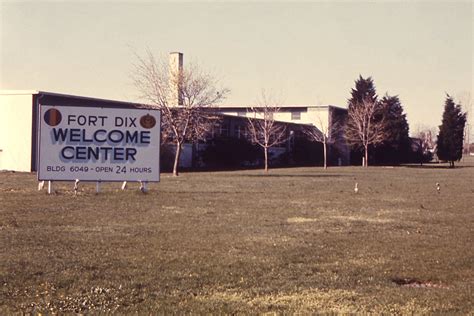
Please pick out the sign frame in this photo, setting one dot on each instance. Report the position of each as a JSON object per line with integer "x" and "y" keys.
{"x": 145, "y": 110}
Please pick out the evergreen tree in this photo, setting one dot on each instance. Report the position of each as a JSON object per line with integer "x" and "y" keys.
{"x": 364, "y": 91}
{"x": 451, "y": 132}
{"x": 396, "y": 147}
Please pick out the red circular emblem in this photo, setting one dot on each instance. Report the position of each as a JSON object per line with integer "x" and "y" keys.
{"x": 147, "y": 121}
{"x": 52, "y": 117}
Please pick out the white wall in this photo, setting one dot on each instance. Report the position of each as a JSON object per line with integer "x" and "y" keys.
{"x": 15, "y": 132}
{"x": 318, "y": 116}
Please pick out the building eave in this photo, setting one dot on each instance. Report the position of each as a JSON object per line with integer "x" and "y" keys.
{"x": 284, "y": 106}
{"x": 64, "y": 95}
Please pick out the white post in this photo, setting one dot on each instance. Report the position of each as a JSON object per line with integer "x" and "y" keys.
{"x": 50, "y": 187}
{"x": 97, "y": 187}
{"x": 124, "y": 185}
{"x": 143, "y": 186}
{"x": 76, "y": 186}
{"x": 40, "y": 185}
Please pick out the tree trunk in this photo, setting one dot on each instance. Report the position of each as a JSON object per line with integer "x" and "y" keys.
{"x": 366, "y": 162}
{"x": 176, "y": 159}
{"x": 325, "y": 155}
{"x": 266, "y": 159}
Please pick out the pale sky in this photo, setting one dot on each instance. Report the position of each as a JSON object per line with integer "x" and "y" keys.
{"x": 304, "y": 52}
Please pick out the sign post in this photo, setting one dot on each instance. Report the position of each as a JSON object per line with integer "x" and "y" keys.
{"x": 98, "y": 144}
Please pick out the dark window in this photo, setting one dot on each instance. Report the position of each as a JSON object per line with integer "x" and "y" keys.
{"x": 241, "y": 132}
{"x": 224, "y": 131}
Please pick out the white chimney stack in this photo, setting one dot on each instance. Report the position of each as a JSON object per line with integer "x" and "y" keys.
{"x": 176, "y": 71}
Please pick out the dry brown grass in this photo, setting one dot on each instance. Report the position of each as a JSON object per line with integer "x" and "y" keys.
{"x": 295, "y": 240}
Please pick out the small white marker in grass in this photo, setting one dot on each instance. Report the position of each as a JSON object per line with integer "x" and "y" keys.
{"x": 356, "y": 189}
{"x": 76, "y": 186}
{"x": 143, "y": 186}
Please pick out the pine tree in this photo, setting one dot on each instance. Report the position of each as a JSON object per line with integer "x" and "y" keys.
{"x": 451, "y": 132}
{"x": 364, "y": 91}
{"x": 396, "y": 147}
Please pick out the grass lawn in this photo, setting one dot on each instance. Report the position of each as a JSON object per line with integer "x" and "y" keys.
{"x": 295, "y": 240}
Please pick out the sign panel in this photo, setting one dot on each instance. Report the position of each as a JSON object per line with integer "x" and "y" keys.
{"x": 99, "y": 144}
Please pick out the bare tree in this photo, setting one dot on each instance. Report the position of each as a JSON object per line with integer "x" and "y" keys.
{"x": 428, "y": 142}
{"x": 363, "y": 128}
{"x": 427, "y": 135}
{"x": 184, "y": 97}
{"x": 325, "y": 133}
{"x": 263, "y": 129}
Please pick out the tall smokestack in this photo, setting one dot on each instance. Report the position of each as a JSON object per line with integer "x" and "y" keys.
{"x": 176, "y": 72}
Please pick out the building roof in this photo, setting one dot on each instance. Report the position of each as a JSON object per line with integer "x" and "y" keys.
{"x": 54, "y": 94}
{"x": 283, "y": 106}
{"x": 18, "y": 92}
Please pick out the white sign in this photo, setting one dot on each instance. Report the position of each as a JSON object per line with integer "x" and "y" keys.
{"x": 99, "y": 144}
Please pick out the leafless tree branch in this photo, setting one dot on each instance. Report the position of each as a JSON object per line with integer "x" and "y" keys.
{"x": 326, "y": 131}
{"x": 187, "y": 122}
{"x": 362, "y": 128}
{"x": 263, "y": 129}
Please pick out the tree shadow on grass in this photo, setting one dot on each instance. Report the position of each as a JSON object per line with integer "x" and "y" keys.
{"x": 436, "y": 166}
{"x": 292, "y": 175}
